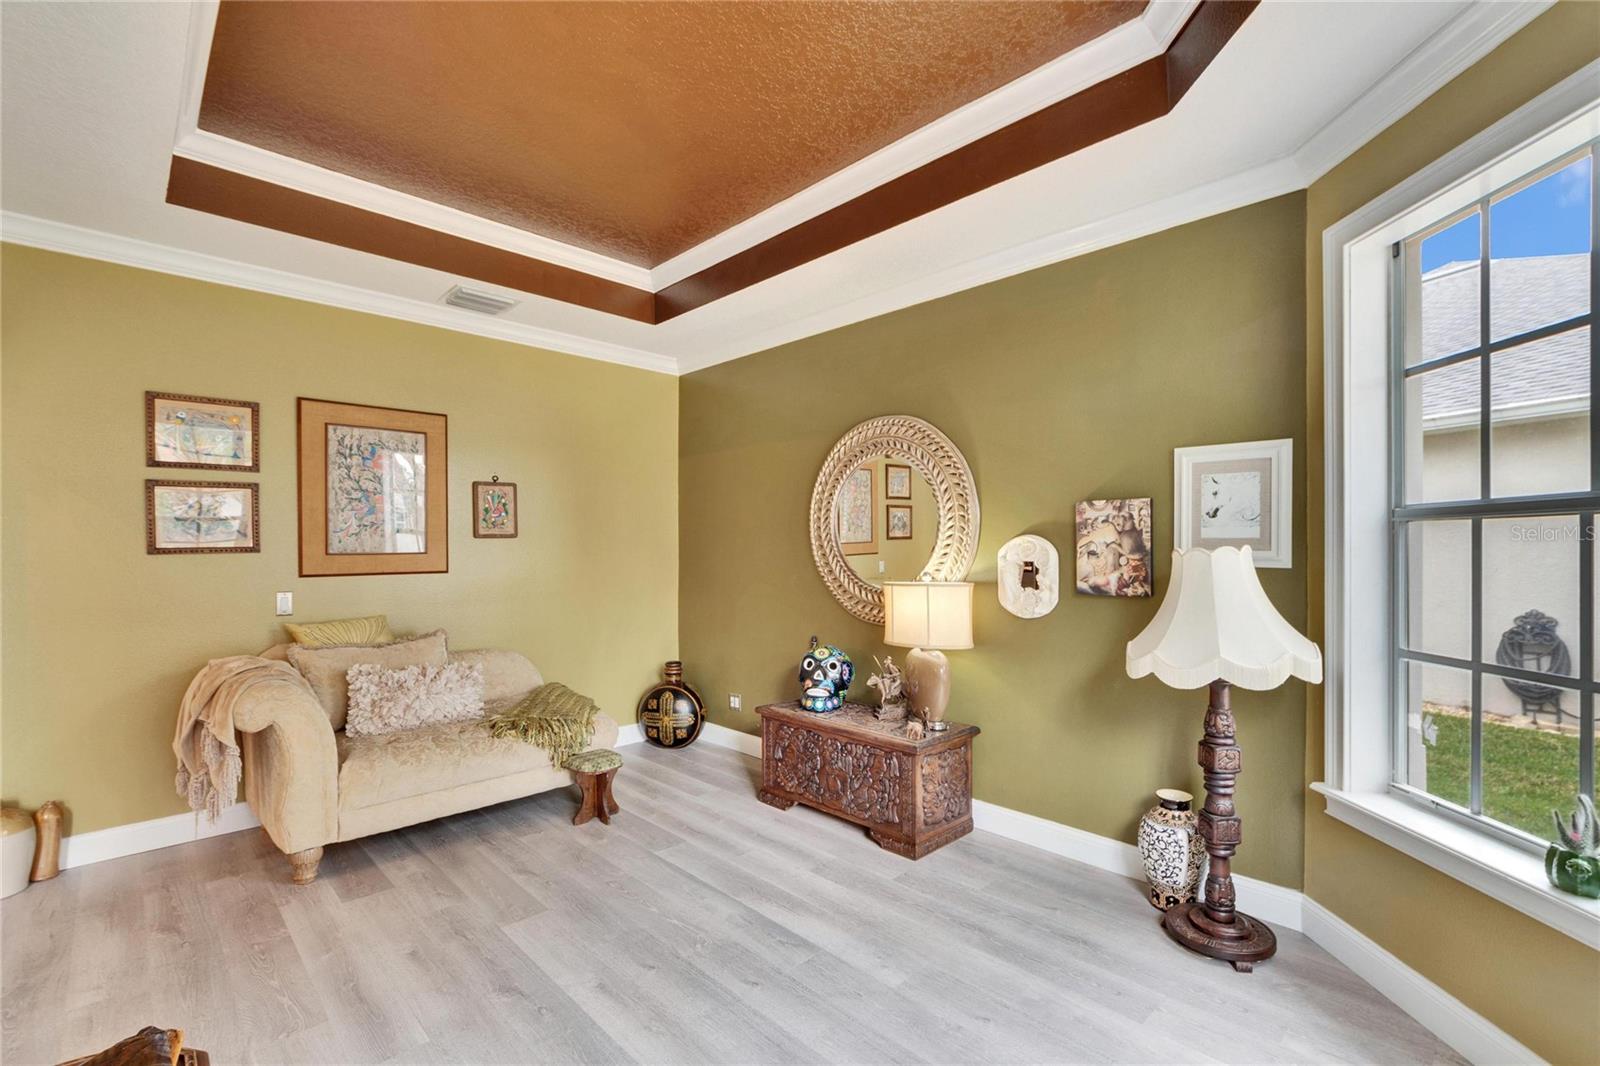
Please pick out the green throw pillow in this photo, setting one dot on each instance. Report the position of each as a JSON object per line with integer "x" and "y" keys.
{"x": 370, "y": 630}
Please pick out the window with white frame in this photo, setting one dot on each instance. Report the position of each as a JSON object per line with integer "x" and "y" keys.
{"x": 1493, "y": 498}
{"x": 1463, "y": 478}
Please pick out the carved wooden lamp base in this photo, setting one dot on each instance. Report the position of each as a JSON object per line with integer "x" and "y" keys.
{"x": 1242, "y": 942}
{"x": 1212, "y": 927}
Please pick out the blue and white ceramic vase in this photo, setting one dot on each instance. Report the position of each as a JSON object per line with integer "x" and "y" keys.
{"x": 1172, "y": 849}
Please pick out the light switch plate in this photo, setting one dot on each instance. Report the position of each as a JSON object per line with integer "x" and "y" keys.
{"x": 285, "y": 603}
{"x": 735, "y": 701}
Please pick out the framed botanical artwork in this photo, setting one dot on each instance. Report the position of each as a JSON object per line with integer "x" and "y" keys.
{"x": 896, "y": 481}
{"x": 1114, "y": 547}
{"x": 201, "y": 432}
{"x": 1233, "y": 495}
{"x": 856, "y": 513}
{"x": 201, "y": 517}
{"x": 897, "y": 525}
{"x": 372, "y": 490}
{"x": 494, "y": 508}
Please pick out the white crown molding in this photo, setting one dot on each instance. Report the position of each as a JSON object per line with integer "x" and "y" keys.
{"x": 1227, "y": 194}
{"x": 129, "y": 251}
{"x": 216, "y": 150}
{"x": 1472, "y": 35}
{"x": 247, "y": 159}
{"x": 1107, "y": 55}
{"x": 1470, "y": 1033}
{"x": 1113, "y": 52}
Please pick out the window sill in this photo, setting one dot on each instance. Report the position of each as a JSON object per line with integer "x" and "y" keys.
{"x": 1499, "y": 870}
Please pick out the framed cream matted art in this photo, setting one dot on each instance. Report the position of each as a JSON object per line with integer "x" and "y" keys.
{"x": 1236, "y": 495}
{"x": 372, "y": 490}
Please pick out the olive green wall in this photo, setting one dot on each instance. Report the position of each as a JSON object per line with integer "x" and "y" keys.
{"x": 1533, "y": 982}
{"x": 100, "y": 639}
{"x": 1071, "y": 382}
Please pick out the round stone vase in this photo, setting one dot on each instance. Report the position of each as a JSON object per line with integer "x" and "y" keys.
{"x": 1172, "y": 849}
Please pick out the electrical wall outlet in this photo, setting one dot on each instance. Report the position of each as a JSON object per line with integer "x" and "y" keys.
{"x": 735, "y": 701}
{"x": 881, "y": 566}
{"x": 285, "y": 603}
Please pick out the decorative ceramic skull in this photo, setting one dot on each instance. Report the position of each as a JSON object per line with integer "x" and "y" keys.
{"x": 825, "y": 674}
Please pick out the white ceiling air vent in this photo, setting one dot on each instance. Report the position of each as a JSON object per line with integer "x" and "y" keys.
{"x": 486, "y": 303}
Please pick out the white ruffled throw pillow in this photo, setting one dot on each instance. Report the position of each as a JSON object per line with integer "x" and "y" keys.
{"x": 394, "y": 699}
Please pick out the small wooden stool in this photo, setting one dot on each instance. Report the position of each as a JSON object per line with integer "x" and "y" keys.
{"x": 593, "y": 770}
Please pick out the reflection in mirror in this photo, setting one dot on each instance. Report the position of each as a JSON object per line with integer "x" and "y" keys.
{"x": 886, "y": 521}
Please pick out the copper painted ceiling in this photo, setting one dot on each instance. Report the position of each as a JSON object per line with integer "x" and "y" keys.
{"x": 633, "y": 129}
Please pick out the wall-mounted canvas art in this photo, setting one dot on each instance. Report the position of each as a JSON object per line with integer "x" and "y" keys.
{"x": 200, "y": 517}
{"x": 494, "y": 508}
{"x": 896, "y": 481}
{"x": 898, "y": 524}
{"x": 856, "y": 513}
{"x": 1236, "y": 495}
{"x": 201, "y": 432}
{"x": 372, "y": 490}
{"x": 1114, "y": 547}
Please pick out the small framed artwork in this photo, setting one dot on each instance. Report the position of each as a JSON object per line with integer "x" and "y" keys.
{"x": 896, "y": 481}
{"x": 898, "y": 524}
{"x": 1234, "y": 495}
{"x": 494, "y": 508}
{"x": 1114, "y": 547}
{"x": 856, "y": 513}
{"x": 372, "y": 490}
{"x": 201, "y": 517}
{"x": 201, "y": 432}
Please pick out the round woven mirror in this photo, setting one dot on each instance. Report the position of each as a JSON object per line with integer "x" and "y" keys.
{"x": 865, "y": 500}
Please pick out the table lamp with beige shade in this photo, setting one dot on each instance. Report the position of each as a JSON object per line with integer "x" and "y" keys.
{"x": 1217, "y": 628}
{"x": 930, "y": 618}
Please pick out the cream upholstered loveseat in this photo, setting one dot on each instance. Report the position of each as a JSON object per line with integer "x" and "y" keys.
{"x": 311, "y": 786}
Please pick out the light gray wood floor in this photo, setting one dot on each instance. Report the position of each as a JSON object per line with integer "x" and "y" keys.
{"x": 701, "y": 926}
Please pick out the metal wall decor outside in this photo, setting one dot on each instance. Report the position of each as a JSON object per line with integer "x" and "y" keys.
{"x": 901, "y": 438}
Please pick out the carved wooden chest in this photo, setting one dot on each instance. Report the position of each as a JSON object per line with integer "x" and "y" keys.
{"x": 911, "y": 795}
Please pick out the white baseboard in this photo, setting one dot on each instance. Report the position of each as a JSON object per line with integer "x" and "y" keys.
{"x": 81, "y": 849}
{"x": 1470, "y": 1033}
{"x": 723, "y": 737}
{"x": 1263, "y": 899}
{"x": 1452, "y": 1021}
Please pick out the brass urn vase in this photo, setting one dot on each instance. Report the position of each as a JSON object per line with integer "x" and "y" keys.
{"x": 672, "y": 713}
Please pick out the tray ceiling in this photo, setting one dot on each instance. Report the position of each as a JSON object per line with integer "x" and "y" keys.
{"x": 636, "y": 130}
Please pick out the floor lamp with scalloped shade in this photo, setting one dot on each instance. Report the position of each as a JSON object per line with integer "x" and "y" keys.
{"x": 1217, "y": 628}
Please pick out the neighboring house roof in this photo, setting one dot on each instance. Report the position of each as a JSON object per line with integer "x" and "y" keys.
{"x": 1526, "y": 293}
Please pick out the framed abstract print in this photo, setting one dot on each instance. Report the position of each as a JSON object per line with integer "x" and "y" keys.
{"x": 897, "y": 522}
{"x": 494, "y": 508}
{"x": 1233, "y": 495}
{"x": 201, "y": 432}
{"x": 201, "y": 517}
{"x": 896, "y": 481}
{"x": 372, "y": 490}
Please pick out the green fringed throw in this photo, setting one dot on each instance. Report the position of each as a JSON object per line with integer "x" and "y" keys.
{"x": 552, "y": 716}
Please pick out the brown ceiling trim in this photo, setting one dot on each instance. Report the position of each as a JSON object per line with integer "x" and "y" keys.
{"x": 1116, "y": 105}
{"x": 1120, "y": 103}
{"x": 261, "y": 203}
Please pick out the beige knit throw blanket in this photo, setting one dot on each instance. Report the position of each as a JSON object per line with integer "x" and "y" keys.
{"x": 205, "y": 743}
{"x": 552, "y": 716}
